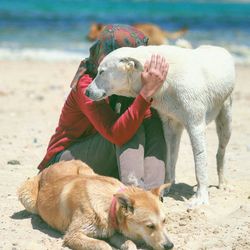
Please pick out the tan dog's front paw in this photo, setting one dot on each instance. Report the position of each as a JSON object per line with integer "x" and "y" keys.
{"x": 128, "y": 245}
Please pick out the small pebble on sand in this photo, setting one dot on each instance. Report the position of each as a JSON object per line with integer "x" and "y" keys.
{"x": 14, "y": 162}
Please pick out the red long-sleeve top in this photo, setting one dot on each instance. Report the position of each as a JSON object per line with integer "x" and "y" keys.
{"x": 81, "y": 117}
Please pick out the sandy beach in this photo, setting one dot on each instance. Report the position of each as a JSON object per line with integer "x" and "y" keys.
{"x": 31, "y": 96}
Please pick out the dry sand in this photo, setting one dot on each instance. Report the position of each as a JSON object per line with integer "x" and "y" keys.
{"x": 31, "y": 96}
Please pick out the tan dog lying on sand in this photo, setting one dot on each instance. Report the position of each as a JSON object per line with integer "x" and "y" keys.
{"x": 156, "y": 35}
{"x": 88, "y": 207}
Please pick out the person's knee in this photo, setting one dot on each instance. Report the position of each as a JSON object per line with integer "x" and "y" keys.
{"x": 155, "y": 172}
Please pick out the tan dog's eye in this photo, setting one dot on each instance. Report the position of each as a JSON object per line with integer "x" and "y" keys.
{"x": 151, "y": 226}
{"x": 164, "y": 221}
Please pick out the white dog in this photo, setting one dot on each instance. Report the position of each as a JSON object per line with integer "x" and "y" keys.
{"x": 197, "y": 91}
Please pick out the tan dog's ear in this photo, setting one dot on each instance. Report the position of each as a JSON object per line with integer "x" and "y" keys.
{"x": 129, "y": 64}
{"x": 157, "y": 191}
{"x": 125, "y": 201}
{"x": 99, "y": 26}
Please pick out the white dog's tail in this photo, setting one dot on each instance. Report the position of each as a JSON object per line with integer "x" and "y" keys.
{"x": 28, "y": 192}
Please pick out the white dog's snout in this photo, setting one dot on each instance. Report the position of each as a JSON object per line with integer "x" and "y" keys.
{"x": 95, "y": 93}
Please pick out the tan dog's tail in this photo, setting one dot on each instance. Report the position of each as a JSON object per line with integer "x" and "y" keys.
{"x": 176, "y": 34}
{"x": 28, "y": 192}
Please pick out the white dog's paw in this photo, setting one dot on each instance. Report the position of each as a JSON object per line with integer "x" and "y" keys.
{"x": 128, "y": 245}
{"x": 224, "y": 185}
{"x": 198, "y": 199}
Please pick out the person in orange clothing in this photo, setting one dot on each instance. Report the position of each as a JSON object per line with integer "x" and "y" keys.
{"x": 120, "y": 136}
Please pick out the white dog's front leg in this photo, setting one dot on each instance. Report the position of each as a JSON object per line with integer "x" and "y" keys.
{"x": 197, "y": 137}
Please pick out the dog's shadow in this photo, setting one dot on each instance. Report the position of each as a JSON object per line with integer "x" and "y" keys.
{"x": 37, "y": 223}
{"x": 181, "y": 191}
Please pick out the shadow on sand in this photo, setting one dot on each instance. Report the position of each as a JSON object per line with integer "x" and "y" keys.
{"x": 181, "y": 191}
{"x": 37, "y": 223}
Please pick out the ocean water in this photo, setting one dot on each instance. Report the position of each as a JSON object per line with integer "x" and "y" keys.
{"x": 55, "y": 30}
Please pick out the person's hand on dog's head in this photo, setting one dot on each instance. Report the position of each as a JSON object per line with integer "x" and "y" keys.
{"x": 153, "y": 76}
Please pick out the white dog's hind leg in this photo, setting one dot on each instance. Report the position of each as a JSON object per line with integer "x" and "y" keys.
{"x": 172, "y": 134}
{"x": 197, "y": 137}
{"x": 223, "y": 126}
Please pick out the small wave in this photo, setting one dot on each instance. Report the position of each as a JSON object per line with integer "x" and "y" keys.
{"x": 241, "y": 54}
{"x": 39, "y": 54}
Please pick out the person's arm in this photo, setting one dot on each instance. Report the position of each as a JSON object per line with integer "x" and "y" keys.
{"x": 119, "y": 130}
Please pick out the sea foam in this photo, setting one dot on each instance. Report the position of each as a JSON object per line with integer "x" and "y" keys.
{"x": 40, "y": 54}
{"x": 240, "y": 53}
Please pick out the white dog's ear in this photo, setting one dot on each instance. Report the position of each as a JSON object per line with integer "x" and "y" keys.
{"x": 130, "y": 64}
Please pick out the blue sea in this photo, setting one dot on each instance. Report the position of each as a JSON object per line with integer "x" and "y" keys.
{"x": 55, "y": 30}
